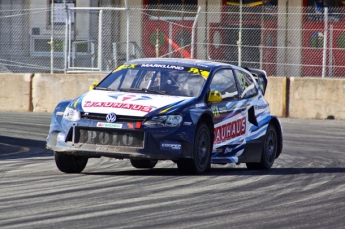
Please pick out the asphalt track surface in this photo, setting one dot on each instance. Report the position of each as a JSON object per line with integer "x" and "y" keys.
{"x": 304, "y": 189}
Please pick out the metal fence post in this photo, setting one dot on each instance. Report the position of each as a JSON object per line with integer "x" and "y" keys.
{"x": 52, "y": 38}
{"x": 325, "y": 42}
{"x": 330, "y": 59}
{"x": 66, "y": 39}
{"x": 100, "y": 24}
{"x": 70, "y": 38}
{"x": 239, "y": 42}
{"x": 193, "y": 32}
{"x": 127, "y": 31}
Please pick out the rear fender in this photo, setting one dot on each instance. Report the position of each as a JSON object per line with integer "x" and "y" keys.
{"x": 276, "y": 123}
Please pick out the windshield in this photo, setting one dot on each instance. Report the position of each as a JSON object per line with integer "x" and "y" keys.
{"x": 183, "y": 82}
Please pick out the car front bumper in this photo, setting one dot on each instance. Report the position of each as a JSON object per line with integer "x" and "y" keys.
{"x": 122, "y": 143}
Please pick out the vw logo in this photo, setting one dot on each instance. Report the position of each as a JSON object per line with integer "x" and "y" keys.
{"x": 111, "y": 117}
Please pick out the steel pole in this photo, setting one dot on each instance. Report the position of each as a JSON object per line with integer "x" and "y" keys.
{"x": 325, "y": 42}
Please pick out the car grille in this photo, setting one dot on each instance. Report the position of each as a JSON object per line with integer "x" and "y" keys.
{"x": 127, "y": 138}
{"x": 102, "y": 117}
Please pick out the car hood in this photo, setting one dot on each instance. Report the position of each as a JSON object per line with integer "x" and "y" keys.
{"x": 124, "y": 103}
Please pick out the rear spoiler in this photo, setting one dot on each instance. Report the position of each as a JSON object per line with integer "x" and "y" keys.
{"x": 260, "y": 77}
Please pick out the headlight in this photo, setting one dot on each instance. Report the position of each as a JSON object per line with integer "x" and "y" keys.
{"x": 164, "y": 120}
{"x": 71, "y": 114}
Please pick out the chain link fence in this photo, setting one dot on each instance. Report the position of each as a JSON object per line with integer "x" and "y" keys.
{"x": 284, "y": 41}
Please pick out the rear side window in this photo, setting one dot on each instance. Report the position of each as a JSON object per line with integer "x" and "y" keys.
{"x": 246, "y": 84}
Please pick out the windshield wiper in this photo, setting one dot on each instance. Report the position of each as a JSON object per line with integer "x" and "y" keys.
{"x": 105, "y": 88}
{"x": 143, "y": 90}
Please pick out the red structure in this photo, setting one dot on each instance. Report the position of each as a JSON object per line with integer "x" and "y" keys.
{"x": 172, "y": 32}
{"x": 169, "y": 29}
{"x": 258, "y": 30}
{"x": 313, "y": 37}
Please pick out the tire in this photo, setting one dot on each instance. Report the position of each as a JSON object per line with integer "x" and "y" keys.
{"x": 201, "y": 153}
{"x": 70, "y": 164}
{"x": 143, "y": 164}
{"x": 269, "y": 151}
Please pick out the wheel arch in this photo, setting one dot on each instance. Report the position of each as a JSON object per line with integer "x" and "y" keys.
{"x": 276, "y": 123}
{"x": 208, "y": 120}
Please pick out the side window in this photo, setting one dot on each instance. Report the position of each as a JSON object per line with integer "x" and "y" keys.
{"x": 246, "y": 84}
{"x": 224, "y": 82}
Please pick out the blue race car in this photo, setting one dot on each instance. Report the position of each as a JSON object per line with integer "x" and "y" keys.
{"x": 192, "y": 112}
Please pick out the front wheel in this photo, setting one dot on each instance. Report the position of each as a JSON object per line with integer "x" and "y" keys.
{"x": 143, "y": 163}
{"x": 201, "y": 152}
{"x": 269, "y": 151}
{"x": 70, "y": 164}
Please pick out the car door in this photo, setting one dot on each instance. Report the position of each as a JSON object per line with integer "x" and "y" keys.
{"x": 229, "y": 118}
{"x": 257, "y": 110}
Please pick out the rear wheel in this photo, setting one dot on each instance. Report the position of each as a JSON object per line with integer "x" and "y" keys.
{"x": 70, "y": 164}
{"x": 201, "y": 152}
{"x": 143, "y": 163}
{"x": 269, "y": 151}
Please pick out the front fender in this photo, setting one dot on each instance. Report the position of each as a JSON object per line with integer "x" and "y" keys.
{"x": 55, "y": 124}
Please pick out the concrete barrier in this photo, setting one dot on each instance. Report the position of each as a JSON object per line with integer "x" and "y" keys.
{"x": 294, "y": 97}
{"x": 15, "y": 92}
{"x": 315, "y": 98}
{"x": 49, "y": 89}
{"x": 276, "y": 95}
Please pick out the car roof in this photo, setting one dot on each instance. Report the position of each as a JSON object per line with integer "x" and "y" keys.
{"x": 180, "y": 61}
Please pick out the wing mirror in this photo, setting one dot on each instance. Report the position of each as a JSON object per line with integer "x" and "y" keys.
{"x": 93, "y": 85}
{"x": 214, "y": 96}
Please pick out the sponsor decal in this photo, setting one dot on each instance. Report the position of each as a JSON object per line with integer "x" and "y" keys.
{"x": 162, "y": 66}
{"x": 199, "y": 105}
{"x": 119, "y": 105}
{"x": 259, "y": 107}
{"x": 126, "y": 66}
{"x": 227, "y": 150}
{"x": 219, "y": 150}
{"x": 59, "y": 113}
{"x": 230, "y": 130}
{"x": 203, "y": 73}
{"x": 170, "y": 146}
{"x": 215, "y": 111}
{"x": 187, "y": 123}
{"x": 130, "y": 125}
{"x": 109, "y": 125}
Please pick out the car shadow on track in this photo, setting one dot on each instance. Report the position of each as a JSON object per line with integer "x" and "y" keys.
{"x": 12, "y": 148}
{"x": 219, "y": 172}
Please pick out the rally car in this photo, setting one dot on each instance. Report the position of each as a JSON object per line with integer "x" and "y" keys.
{"x": 192, "y": 112}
